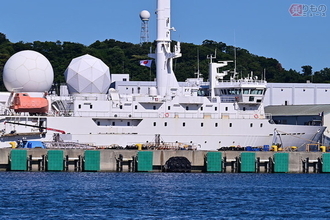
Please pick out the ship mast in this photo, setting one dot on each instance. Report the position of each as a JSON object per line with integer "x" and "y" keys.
{"x": 167, "y": 84}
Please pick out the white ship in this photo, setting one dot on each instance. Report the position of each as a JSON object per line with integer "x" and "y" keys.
{"x": 190, "y": 114}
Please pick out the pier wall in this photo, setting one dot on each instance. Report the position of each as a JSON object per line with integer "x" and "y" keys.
{"x": 129, "y": 161}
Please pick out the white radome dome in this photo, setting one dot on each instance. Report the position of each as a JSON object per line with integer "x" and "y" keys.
{"x": 87, "y": 74}
{"x": 144, "y": 15}
{"x": 28, "y": 71}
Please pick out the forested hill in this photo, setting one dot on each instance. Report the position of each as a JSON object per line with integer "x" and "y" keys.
{"x": 122, "y": 57}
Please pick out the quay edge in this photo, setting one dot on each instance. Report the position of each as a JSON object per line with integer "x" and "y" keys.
{"x": 110, "y": 160}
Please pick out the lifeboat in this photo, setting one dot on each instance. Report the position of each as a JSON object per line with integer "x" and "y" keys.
{"x": 22, "y": 102}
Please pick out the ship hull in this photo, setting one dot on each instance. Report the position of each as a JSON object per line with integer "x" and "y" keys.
{"x": 203, "y": 133}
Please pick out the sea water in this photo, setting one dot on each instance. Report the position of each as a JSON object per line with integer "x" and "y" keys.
{"x": 77, "y": 195}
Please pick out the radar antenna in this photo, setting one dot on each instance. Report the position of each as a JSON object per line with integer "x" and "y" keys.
{"x": 144, "y": 37}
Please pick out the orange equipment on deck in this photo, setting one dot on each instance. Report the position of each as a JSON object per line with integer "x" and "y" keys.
{"x": 24, "y": 103}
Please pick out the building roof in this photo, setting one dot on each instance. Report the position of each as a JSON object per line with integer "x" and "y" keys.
{"x": 280, "y": 110}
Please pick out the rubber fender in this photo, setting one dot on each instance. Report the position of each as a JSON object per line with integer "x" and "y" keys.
{"x": 177, "y": 164}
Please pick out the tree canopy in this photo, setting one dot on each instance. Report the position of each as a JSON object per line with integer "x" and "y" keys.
{"x": 123, "y": 57}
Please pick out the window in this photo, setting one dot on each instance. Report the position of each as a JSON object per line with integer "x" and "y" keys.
{"x": 254, "y": 91}
{"x": 154, "y": 107}
{"x": 128, "y": 123}
{"x": 251, "y": 98}
{"x": 113, "y": 123}
{"x": 187, "y": 108}
{"x": 98, "y": 123}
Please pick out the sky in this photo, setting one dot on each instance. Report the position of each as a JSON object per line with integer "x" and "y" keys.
{"x": 263, "y": 27}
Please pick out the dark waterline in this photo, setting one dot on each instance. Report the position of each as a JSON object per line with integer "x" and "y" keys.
{"x": 47, "y": 195}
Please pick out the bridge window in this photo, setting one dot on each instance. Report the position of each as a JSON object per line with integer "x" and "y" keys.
{"x": 246, "y": 91}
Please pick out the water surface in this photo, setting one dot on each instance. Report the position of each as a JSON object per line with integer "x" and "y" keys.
{"x": 75, "y": 195}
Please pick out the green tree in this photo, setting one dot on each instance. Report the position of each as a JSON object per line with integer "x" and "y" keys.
{"x": 307, "y": 70}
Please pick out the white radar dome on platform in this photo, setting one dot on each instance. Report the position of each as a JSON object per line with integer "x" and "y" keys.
{"x": 87, "y": 74}
{"x": 28, "y": 71}
{"x": 144, "y": 15}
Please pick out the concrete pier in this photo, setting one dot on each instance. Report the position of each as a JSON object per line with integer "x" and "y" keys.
{"x": 107, "y": 160}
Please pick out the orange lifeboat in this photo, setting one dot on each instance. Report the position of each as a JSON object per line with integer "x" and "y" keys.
{"x": 24, "y": 103}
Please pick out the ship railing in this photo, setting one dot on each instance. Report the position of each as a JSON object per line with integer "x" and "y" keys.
{"x": 242, "y": 82}
{"x": 176, "y": 115}
{"x": 167, "y": 146}
{"x": 68, "y": 145}
{"x": 244, "y": 116}
{"x": 228, "y": 99}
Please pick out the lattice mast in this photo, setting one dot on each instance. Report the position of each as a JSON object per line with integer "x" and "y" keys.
{"x": 144, "y": 37}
